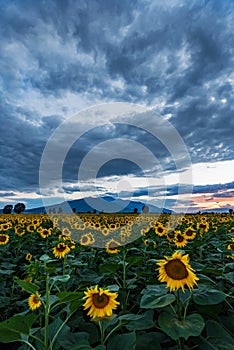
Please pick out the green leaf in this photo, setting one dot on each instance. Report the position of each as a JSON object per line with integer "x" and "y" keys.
{"x": 11, "y": 329}
{"x": 155, "y": 289}
{"x": 113, "y": 288}
{"x": 175, "y": 328}
{"x": 65, "y": 297}
{"x": 229, "y": 276}
{"x": 62, "y": 279}
{"x": 217, "y": 338}
{"x": 74, "y": 340}
{"x": 27, "y": 286}
{"x": 144, "y": 322}
{"x": 134, "y": 260}
{"x": 203, "y": 296}
{"x": 154, "y": 302}
{"x": 109, "y": 267}
{"x": 126, "y": 341}
{"x": 149, "y": 341}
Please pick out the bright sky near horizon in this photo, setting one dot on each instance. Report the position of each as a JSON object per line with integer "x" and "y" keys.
{"x": 174, "y": 57}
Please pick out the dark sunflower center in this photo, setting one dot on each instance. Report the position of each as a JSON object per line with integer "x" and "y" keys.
{"x": 100, "y": 301}
{"x": 61, "y": 248}
{"x": 2, "y": 238}
{"x": 232, "y": 246}
{"x": 189, "y": 233}
{"x": 171, "y": 234}
{"x": 176, "y": 270}
{"x": 202, "y": 226}
{"x": 36, "y": 299}
{"x": 180, "y": 238}
{"x": 160, "y": 230}
{"x": 112, "y": 245}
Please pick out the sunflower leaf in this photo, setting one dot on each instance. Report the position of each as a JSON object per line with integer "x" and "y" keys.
{"x": 126, "y": 341}
{"x": 205, "y": 296}
{"x": 149, "y": 301}
{"x": 175, "y": 328}
{"x": 13, "y": 328}
{"x": 27, "y": 286}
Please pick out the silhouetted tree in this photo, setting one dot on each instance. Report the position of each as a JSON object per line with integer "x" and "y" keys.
{"x": 19, "y": 208}
{"x": 135, "y": 210}
{"x": 7, "y": 209}
{"x": 74, "y": 210}
{"x": 60, "y": 210}
{"x": 145, "y": 209}
{"x": 230, "y": 211}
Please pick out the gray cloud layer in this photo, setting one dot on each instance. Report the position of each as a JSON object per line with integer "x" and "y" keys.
{"x": 176, "y": 56}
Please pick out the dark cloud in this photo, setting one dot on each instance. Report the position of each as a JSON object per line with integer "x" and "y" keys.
{"x": 174, "y": 56}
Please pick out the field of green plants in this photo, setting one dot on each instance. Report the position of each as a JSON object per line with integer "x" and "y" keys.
{"x": 117, "y": 281}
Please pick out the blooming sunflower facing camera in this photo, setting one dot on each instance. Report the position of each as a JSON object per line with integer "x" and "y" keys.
{"x": 177, "y": 272}
{"x": 100, "y": 302}
{"x": 61, "y": 250}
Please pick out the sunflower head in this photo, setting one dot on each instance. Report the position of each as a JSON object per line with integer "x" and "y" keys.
{"x": 4, "y": 238}
{"x": 34, "y": 301}
{"x": 177, "y": 272}
{"x": 111, "y": 246}
{"x": 100, "y": 302}
{"x": 28, "y": 256}
{"x": 61, "y": 250}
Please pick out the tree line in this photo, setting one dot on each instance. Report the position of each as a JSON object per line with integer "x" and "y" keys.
{"x": 18, "y": 208}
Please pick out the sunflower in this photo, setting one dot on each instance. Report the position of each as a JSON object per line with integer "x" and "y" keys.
{"x": 61, "y": 250}
{"x": 28, "y": 257}
{"x": 105, "y": 231}
{"x": 190, "y": 233}
{"x": 6, "y": 226}
{"x": 87, "y": 239}
{"x": 203, "y": 226}
{"x": 160, "y": 230}
{"x": 4, "y": 239}
{"x": 34, "y": 301}
{"x": 180, "y": 240}
{"x": 100, "y": 301}
{"x": 45, "y": 232}
{"x": 231, "y": 247}
{"x": 177, "y": 272}
{"x": 19, "y": 230}
{"x": 111, "y": 246}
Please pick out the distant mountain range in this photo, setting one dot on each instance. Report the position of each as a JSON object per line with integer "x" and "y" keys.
{"x": 105, "y": 204}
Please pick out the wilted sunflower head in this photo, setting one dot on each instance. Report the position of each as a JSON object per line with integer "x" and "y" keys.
{"x": 177, "y": 272}
{"x": 100, "y": 302}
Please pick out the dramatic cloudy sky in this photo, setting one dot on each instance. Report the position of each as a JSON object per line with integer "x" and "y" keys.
{"x": 174, "y": 58}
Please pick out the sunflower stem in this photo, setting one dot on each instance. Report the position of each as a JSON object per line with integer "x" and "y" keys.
{"x": 119, "y": 325}
{"x": 124, "y": 279}
{"x": 101, "y": 331}
{"x": 64, "y": 264}
{"x": 47, "y": 310}
{"x": 178, "y": 302}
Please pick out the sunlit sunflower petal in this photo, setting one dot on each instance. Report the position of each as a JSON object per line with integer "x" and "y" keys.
{"x": 177, "y": 272}
{"x": 100, "y": 302}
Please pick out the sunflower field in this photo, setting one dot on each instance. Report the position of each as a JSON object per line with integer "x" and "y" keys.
{"x": 117, "y": 281}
